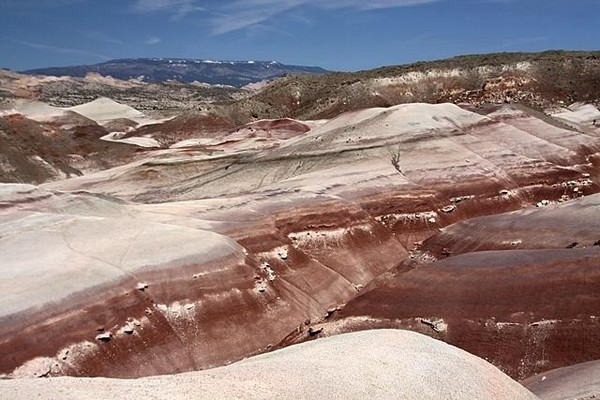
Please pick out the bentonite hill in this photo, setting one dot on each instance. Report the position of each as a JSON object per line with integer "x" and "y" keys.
{"x": 312, "y": 236}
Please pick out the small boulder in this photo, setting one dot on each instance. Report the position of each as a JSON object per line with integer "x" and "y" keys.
{"x": 448, "y": 209}
{"x": 312, "y": 331}
{"x": 437, "y": 325}
{"x": 543, "y": 203}
{"x": 283, "y": 254}
{"x": 104, "y": 337}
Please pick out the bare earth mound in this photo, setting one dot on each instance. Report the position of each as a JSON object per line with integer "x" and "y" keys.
{"x": 511, "y": 288}
{"x": 580, "y": 381}
{"x": 232, "y": 230}
{"x": 196, "y": 257}
{"x": 381, "y": 364}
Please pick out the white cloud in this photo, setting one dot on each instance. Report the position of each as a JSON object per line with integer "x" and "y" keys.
{"x": 103, "y": 37}
{"x": 177, "y": 8}
{"x": 27, "y": 4}
{"x": 153, "y": 40}
{"x": 60, "y": 50}
{"x": 240, "y": 14}
{"x": 374, "y": 4}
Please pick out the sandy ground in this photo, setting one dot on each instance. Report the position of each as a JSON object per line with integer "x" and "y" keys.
{"x": 101, "y": 111}
{"x": 581, "y": 116}
{"x": 381, "y": 364}
{"x": 580, "y": 381}
{"x": 137, "y": 141}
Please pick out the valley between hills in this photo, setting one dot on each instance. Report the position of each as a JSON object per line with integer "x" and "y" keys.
{"x": 430, "y": 230}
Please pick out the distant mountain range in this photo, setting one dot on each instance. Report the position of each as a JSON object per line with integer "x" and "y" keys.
{"x": 234, "y": 73}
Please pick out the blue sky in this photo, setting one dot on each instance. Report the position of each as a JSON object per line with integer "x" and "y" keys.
{"x": 334, "y": 34}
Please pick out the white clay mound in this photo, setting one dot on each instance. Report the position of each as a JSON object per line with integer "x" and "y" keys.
{"x": 380, "y": 364}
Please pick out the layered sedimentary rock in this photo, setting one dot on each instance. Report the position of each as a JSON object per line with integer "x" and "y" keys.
{"x": 125, "y": 282}
{"x": 380, "y": 364}
{"x": 520, "y": 290}
{"x": 199, "y": 255}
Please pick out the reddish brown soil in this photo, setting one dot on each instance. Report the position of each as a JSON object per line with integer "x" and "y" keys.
{"x": 521, "y": 290}
{"x": 22, "y": 139}
{"x": 185, "y": 126}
